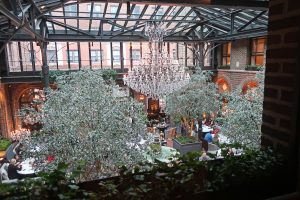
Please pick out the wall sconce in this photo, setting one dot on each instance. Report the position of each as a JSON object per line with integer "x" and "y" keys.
{"x": 224, "y": 87}
{"x": 141, "y": 97}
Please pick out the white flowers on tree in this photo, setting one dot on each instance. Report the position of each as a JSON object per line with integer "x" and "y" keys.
{"x": 84, "y": 121}
{"x": 243, "y": 117}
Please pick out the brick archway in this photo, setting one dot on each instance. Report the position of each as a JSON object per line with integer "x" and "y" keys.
{"x": 19, "y": 90}
{"x": 248, "y": 84}
{"x": 223, "y": 84}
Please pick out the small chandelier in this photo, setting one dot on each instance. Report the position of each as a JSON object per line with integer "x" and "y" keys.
{"x": 157, "y": 74}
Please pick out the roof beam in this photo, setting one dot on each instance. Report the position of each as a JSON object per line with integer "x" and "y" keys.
{"x": 128, "y": 16}
{"x": 19, "y": 23}
{"x": 252, "y": 20}
{"x": 91, "y": 15}
{"x": 70, "y": 27}
{"x": 117, "y": 15}
{"x": 226, "y": 3}
{"x": 184, "y": 18}
{"x": 119, "y": 19}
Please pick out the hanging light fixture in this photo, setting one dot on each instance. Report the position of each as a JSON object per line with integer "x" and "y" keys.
{"x": 157, "y": 74}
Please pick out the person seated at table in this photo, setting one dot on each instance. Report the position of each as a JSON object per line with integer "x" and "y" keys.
{"x": 12, "y": 170}
{"x": 18, "y": 159}
{"x": 208, "y": 122}
{"x": 208, "y": 137}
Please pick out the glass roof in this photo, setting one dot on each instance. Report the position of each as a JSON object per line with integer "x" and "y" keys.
{"x": 103, "y": 21}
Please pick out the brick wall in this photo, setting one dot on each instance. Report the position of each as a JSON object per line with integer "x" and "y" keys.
{"x": 236, "y": 78}
{"x": 282, "y": 77}
{"x": 240, "y": 54}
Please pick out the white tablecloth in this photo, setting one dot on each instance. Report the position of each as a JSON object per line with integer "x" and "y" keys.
{"x": 206, "y": 129}
{"x": 27, "y": 167}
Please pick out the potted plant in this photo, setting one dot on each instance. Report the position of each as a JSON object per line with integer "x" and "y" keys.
{"x": 224, "y": 67}
{"x": 253, "y": 67}
{"x": 186, "y": 144}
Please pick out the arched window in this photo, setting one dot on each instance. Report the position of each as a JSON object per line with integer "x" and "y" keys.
{"x": 248, "y": 86}
{"x": 223, "y": 85}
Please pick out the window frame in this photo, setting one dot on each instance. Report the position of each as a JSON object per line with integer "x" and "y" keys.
{"x": 71, "y": 56}
{"x": 226, "y": 55}
{"x": 135, "y": 55}
{"x": 255, "y": 53}
{"x": 98, "y": 55}
{"x": 69, "y": 11}
{"x": 96, "y": 12}
{"x": 49, "y": 60}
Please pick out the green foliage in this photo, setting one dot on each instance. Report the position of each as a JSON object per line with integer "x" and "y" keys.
{"x": 4, "y": 144}
{"x": 224, "y": 67}
{"x": 185, "y": 176}
{"x": 186, "y": 140}
{"x": 53, "y": 75}
{"x": 254, "y": 67}
{"x": 53, "y": 185}
{"x": 155, "y": 148}
{"x": 109, "y": 74}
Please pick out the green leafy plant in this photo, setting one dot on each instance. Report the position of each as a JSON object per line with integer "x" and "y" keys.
{"x": 186, "y": 140}
{"x": 108, "y": 74}
{"x": 4, "y": 144}
{"x": 253, "y": 67}
{"x": 53, "y": 75}
{"x": 156, "y": 148}
{"x": 184, "y": 177}
{"x": 224, "y": 67}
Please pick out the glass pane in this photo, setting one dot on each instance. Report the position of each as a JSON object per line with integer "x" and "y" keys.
{"x": 26, "y": 56}
{"x": 62, "y": 56}
{"x": 13, "y": 57}
{"x": 259, "y": 60}
{"x": 224, "y": 50}
{"x": 229, "y": 49}
{"x": 260, "y": 45}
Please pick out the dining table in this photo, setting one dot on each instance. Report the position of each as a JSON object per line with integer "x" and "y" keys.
{"x": 28, "y": 169}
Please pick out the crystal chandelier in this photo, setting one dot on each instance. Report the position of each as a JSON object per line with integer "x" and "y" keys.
{"x": 157, "y": 74}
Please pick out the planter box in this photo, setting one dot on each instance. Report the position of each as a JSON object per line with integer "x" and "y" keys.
{"x": 184, "y": 148}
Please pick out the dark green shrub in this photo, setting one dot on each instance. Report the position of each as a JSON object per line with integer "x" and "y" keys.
{"x": 4, "y": 144}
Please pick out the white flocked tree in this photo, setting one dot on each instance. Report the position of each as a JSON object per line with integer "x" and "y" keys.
{"x": 84, "y": 121}
{"x": 242, "y": 120}
{"x": 191, "y": 101}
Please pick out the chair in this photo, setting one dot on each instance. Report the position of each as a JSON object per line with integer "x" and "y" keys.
{"x": 3, "y": 172}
